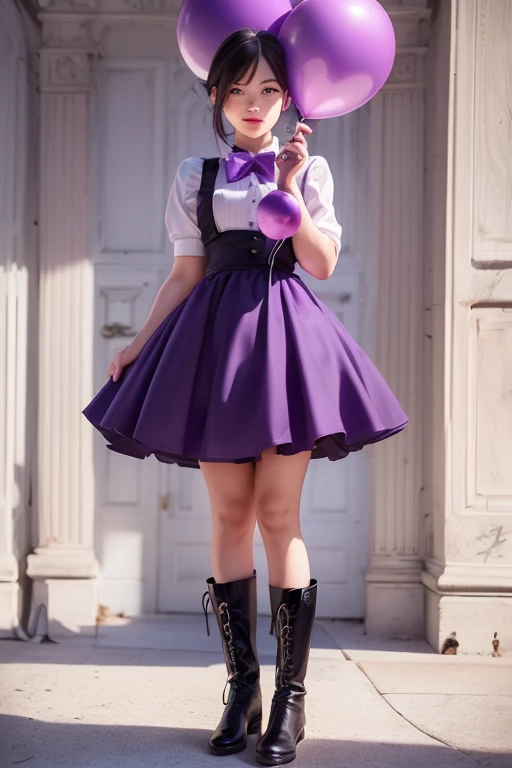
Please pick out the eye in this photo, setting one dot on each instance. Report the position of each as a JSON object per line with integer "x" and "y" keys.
{"x": 236, "y": 89}
{"x": 271, "y": 90}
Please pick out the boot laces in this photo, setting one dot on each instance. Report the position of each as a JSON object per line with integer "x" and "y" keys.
{"x": 225, "y": 619}
{"x": 283, "y": 628}
{"x": 205, "y": 609}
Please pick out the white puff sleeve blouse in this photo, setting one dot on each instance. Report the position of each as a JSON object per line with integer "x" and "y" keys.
{"x": 235, "y": 203}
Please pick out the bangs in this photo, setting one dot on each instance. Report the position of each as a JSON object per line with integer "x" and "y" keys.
{"x": 243, "y": 60}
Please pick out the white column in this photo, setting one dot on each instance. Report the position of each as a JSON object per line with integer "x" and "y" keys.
{"x": 394, "y": 589}
{"x": 63, "y": 565}
{"x": 18, "y": 272}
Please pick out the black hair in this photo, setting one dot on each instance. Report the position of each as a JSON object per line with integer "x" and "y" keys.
{"x": 235, "y": 57}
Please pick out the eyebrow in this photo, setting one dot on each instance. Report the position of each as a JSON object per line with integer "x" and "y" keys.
{"x": 271, "y": 80}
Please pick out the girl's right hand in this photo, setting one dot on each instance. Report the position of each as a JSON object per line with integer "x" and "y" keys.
{"x": 122, "y": 358}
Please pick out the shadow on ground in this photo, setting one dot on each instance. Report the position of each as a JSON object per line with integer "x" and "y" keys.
{"x": 40, "y": 744}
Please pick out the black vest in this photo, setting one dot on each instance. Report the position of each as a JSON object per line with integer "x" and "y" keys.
{"x": 235, "y": 248}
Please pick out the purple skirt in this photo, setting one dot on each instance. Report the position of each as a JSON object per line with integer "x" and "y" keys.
{"x": 239, "y": 367}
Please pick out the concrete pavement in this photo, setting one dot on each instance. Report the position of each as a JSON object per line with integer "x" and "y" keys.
{"x": 148, "y": 692}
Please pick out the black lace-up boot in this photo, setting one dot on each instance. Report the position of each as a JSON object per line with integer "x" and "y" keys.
{"x": 234, "y": 605}
{"x": 293, "y": 613}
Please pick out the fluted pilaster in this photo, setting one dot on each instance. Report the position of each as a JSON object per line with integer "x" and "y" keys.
{"x": 394, "y": 591}
{"x": 18, "y": 274}
{"x": 65, "y": 464}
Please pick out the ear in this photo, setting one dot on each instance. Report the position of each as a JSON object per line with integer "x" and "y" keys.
{"x": 213, "y": 94}
{"x": 286, "y": 101}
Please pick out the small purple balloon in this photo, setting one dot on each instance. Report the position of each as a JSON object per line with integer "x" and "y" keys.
{"x": 204, "y": 24}
{"x": 278, "y": 215}
{"x": 339, "y": 53}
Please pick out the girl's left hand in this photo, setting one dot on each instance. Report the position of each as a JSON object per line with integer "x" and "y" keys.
{"x": 296, "y": 154}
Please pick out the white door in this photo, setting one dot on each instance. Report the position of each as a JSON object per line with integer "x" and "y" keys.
{"x": 127, "y": 489}
{"x": 154, "y": 527}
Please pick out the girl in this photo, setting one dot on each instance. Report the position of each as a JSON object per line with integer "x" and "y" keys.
{"x": 241, "y": 371}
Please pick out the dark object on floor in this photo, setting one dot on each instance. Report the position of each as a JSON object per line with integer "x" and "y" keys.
{"x": 495, "y": 646}
{"x": 450, "y": 645}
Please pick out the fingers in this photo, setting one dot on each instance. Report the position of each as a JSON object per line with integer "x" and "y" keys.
{"x": 296, "y": 148}
{"x": 302, "y": 128}
{"x": 114, "y": 370}
{"x": 299, "y": 140}
{"x": 295, "y": 151}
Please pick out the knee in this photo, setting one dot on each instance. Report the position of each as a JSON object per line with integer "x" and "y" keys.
{"x": 235, "y": 514}
{"x": 275, "y": 515}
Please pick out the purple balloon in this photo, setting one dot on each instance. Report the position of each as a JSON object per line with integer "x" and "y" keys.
{"x": 278, "y": 215}
{"x": 204, "y": 24}
{"x": 275, "y": 28}
{"x": 339, "y": 53}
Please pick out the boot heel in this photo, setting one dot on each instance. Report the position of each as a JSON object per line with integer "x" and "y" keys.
{"x": 254, "y": 726}
{"x": 301, "y": 736}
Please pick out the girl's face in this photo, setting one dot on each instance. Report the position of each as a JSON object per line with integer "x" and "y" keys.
{"x": 253, "y": 108}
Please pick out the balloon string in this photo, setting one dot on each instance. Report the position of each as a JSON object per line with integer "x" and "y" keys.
{"x": 271, "y": 259}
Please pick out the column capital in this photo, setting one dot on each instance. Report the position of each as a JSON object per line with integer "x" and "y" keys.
{"x": 65, "y": 71}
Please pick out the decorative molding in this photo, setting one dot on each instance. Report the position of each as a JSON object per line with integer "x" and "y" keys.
{"x": 488, "y": 446}
{"x": 394, "y": 567}
{"x": 9, "y": 569}
{"x": 104, "y": 8}
{"x": 167, "y": 7}
{"x": 404, "y": 69}
{"x": 467, "y": 578}
{"x": 408, "y": 22}
{"x": 491, "y": 166}
{"x": 69, "y": 6}
{"x": 65, "y": 33}
{"x": 54, "y": 562}
{"x": 402, "y": 16}
{"x": 402, "y": 12}
{"x": 66, "y": 70}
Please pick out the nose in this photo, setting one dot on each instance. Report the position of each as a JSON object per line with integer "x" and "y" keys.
{"x": 253, "y": 109}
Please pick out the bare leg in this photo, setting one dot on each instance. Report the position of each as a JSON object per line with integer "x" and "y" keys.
{"x": 278, "y": 486}
{"x": 232, "y": 593}
{"x": 231, "y": 492}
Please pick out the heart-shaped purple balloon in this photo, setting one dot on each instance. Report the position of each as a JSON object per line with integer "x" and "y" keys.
{"x": 339, "y": 53}
{"x": 278, "y": 215}
{"x": 204, "y": 24}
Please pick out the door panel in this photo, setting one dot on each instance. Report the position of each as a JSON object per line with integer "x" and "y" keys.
{"x": 126, "y": 488}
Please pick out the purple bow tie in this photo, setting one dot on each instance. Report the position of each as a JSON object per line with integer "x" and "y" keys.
{"x": 241, "y": 164}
